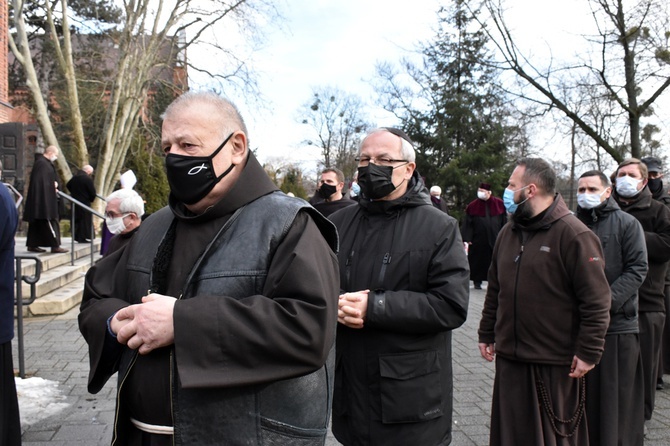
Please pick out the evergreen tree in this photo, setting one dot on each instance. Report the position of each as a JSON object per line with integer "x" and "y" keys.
{"x": 292, "y": 182}
{"x": 459, "y": 123}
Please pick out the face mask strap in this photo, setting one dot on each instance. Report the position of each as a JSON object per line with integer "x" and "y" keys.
{"x": 218, "y": 149}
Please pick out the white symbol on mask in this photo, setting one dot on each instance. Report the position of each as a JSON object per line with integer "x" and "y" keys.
{"x": 197, "y": 169}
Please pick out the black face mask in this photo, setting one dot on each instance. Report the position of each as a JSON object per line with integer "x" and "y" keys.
{"x": 327, "y": 190}
{"x": 191, "y": 178}
{"x": 655, "y": 185}
{"x": 376, "y": 181}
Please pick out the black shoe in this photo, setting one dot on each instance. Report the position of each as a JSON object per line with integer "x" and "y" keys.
{"x": 36, "y": 249}
{"x": 660, "y": 385}
{"x": 86, "y": 240}
{"x": 478, "y": 285}
{"x": 59, "y": 250}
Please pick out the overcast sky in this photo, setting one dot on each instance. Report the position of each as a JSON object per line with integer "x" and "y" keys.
{"x": 327, "y": 43}
{"x": 338, "y": 42}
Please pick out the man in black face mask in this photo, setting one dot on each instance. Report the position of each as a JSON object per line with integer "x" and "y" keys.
{"x": 404, "y": 278}
{"x": 659, "y": 193}
{"x": 211, "y": 314}
{"x": 330, "y": 189}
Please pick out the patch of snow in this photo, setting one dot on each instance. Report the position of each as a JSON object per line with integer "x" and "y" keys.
{"x": 38, "y": 399}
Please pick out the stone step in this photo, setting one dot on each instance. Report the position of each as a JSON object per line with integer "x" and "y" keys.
{"x": 61, "y": 284}
{"x": 49, "y": 260}
{"x": 58, "y": 301}
{"x": 55, "y": 278}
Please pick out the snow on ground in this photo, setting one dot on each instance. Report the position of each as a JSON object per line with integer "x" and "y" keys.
{"x": 38, "y": 399}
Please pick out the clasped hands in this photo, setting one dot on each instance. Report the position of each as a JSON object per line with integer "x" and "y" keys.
{"x": 352, "y": 308}
{"x": 146, "y": 326}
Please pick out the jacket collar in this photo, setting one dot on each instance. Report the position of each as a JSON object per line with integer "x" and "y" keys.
{"x": 640, "y": 201}
{"x": 417, "y": 195}
{"x": 590, "y": 216}
{"x": 557, "y": 210}
{"x": 252, "y": 184}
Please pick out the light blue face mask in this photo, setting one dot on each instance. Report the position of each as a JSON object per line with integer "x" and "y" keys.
{"x": 508, "y": 200}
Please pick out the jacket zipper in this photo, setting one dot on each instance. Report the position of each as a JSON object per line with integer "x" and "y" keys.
{"x": 174, "y": 436}
{"x": 118, "y": 399}
{"x": 172, "y": 384}
{"x": 517, "y": 260}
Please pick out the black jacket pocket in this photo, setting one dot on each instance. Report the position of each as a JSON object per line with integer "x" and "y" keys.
{"x": 410, "y": 387}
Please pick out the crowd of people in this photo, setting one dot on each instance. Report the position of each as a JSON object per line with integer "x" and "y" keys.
{"x": 239, "y": 314}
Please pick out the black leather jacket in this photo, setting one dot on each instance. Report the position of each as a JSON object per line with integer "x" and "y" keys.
{"x": 292, "y": 411}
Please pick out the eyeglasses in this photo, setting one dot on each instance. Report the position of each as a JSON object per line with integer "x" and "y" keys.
{"x": 365, "y": 160}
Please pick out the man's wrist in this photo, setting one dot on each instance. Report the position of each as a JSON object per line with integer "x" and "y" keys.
{"x": 109, "y": 326}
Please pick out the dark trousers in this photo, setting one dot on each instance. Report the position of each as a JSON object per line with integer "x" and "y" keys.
{"x": 651, "y": 331}
{"x": 615, "y": 394}
{"x": 10, "y": 424}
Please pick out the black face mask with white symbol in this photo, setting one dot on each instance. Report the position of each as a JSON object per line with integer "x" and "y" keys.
{"x": 191, "y": 178}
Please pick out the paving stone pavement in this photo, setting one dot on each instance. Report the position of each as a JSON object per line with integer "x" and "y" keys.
{"x": 55, "y": 350}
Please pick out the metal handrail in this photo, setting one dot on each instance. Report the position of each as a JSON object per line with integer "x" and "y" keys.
{"x": 18, "y": 202}
{"x": 76, "y": 202}
{"x": 19, "y": 302}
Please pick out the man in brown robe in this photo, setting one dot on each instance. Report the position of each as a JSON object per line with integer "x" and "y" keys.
{"x": 545, "y": 314}
{"x": 212, "y": 314}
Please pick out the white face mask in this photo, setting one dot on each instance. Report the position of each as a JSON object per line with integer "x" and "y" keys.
{"x": 53, "y": 158}
{"x": 589, "y": 201}
{"x": 481, "y": 195}
{"x": 116, "y": 225}
{"x": 627, "y": 186}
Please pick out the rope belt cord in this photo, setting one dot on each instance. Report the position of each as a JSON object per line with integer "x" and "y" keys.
{"x": 545, "y": 400}
{"x": 152, "y": 428}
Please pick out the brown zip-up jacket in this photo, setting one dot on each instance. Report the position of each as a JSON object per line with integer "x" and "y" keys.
{"x": 547, "y": 297}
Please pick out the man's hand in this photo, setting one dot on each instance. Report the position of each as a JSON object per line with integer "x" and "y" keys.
{"x": 146, "y": 326}
{"x": 488, "y": 351}
{"x": 579, "y": 367}
{"x": 352, "y": 309}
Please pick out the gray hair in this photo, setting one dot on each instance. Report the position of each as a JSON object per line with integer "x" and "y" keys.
{"x": 407, "y": 151}
{"x": 129, "y": 201}
{"x": 229, "y": 115}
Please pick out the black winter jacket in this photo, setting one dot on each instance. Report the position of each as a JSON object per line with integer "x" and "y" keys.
{"x": 655, "y": 220}
{"x": 622, "y": 239}
{"x": 393, "y": 378}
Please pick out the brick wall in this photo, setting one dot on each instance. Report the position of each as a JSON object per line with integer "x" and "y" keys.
{"x": 5, "y": 107}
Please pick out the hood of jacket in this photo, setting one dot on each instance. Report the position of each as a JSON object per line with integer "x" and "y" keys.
{"x": 557, "y": 210}
{"x": 640, "y": 201}
{"x": 590, "y": 216}
{"x": 252, "y": 184}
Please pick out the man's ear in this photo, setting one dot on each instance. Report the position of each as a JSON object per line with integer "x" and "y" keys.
{"x": 239, "y": 143}
{"x": 409, "y": 170}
